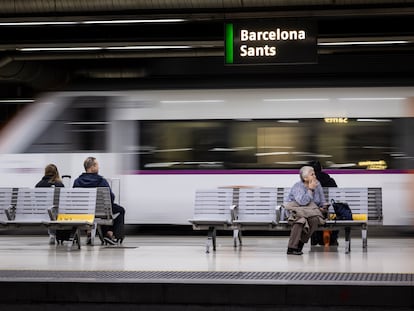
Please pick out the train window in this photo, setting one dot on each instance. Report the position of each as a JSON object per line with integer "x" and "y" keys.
{"x": 269, "y": 144}
{"x": 182, "y": 144}
{"x": 81, "y": 126}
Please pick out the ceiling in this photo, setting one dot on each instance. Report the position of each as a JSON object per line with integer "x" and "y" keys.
{"x": 61, "y": 45}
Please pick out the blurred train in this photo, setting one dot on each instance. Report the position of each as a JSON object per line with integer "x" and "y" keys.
{"x": 159, "y": 146}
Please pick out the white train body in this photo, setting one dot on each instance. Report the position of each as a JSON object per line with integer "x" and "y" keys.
{"x": 158, "y": 147}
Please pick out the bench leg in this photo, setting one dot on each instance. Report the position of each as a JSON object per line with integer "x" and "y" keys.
{"x": 75, "y": 240}
{"x": 364, "y": 237}
{"x": 211, "y": 239}
{"x": 93, "y": 233}
{"x": 347, "y": 240}
{"x": 237, "y": 237}
{"x": 100, "y": 234}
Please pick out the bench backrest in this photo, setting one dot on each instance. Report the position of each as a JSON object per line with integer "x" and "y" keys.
{"x": 103, "y": 204}
{"x": 357, "y": 199}
{"x": 77, "y": 204}
{"x": 375, "y": 205}
{"x": 213, "y": 204}
{"x": 282, "y": 194}
{"x": 257, "y": 204}
{"x": 33, "y": 204}
{"x": 362, "y": 201}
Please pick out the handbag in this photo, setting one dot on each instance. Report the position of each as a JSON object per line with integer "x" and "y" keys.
{"x": 342, "y": 210}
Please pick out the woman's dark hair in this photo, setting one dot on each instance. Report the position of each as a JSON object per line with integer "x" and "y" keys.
{"x": 52, "y": 171}
{"x": 316, "y": 166}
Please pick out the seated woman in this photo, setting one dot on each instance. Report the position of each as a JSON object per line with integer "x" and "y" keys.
{"x": 51, "y": 178}
{"x": 307, "y": 206}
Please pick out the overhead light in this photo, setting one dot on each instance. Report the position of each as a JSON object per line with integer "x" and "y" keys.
{"x": 40, "y": 23}
{"x": 97, "y": 48}
{"x": 390, "y": 42}
{"x": 147, "y": 47}
{"x": 93, "y": 22}
{"x": 135, "y": 21}
{"x": 60, "y": 49}
{"x": 16, "y": 101}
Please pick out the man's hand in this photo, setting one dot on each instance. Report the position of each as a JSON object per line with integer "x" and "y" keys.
{"x": 313, "y": 183}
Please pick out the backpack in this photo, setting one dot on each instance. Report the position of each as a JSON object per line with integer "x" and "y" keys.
{"x": 342, "y": 210}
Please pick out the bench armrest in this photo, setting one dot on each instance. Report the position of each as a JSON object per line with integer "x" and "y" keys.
{"x": 10, "y": 212}
{"x": 282, "y": 213}
{"x": 233, "y": 211}
{"x": 53, "y": 212}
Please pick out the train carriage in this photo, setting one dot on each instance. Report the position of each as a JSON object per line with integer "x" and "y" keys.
{"x": 162, "y": 145}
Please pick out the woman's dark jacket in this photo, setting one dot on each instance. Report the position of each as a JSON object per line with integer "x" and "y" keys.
{"x": 46, "y": 182}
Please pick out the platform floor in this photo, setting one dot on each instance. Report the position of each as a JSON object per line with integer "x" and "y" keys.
{"x": 175, "y": 273}
{"x": 187, "y": 253}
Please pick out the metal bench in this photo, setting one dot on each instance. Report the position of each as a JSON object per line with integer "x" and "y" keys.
{"x": 76, "y": 211}
{"x": 261, "y": 208}
{"x": 213, "y": 210}
{"x": 54, "y": 208}
{"x": 366, "y": 206}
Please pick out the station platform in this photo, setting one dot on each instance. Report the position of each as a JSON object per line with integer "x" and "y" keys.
{"x": 171, "y": 272}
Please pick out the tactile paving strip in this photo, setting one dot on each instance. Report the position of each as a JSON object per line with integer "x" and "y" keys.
{"x": 221, "y": 277}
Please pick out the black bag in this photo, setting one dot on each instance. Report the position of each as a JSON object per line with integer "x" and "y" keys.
{"x": 342, "y": 210}
{"x": 64, "y": 235}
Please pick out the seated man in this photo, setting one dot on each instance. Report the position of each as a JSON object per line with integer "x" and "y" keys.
{"x": 91, "y": 179}
{"x": 306, "y": 203}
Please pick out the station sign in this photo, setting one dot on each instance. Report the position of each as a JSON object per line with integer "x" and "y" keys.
{"x": 271, "y": 41}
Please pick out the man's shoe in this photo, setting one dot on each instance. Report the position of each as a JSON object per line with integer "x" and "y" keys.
{"x": 294, "y": 251}
{"x": 110, "y": 241}
{"x": 300, "y": 246}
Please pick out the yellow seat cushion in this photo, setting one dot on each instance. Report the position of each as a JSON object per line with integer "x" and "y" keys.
{"x": 76, "y": 217}
{"x": 354, "y": 216}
